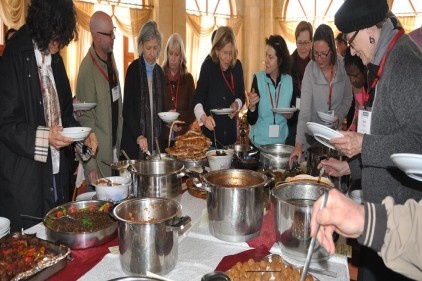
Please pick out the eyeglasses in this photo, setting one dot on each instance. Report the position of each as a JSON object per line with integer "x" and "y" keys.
{"x": 303, "y": 43}
{"x": 350, "y": 41}
{"x": 322, "y": 55}
{"x": 111, "y": 34}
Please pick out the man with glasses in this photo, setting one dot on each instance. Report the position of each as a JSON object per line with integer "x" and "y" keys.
{"x": 98, "y": 82}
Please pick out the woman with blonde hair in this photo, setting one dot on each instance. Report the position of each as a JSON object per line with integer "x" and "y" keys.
{"x": 220, "y": 85}
{"x": 179, "y": 87}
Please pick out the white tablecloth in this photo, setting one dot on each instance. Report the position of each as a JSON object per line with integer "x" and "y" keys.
{"x": 199, "y": 251}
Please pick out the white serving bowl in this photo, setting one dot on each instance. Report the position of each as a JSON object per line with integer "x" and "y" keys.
{"x": 118, "y": 191}
{"x": 4, "y": 224}
{"x": 169, "y": 116}
{"x": 220, "y": 162}
{"x": 86, "y": 196}
{"x": 76, "y": 133}
{"x": 328, "y": 118}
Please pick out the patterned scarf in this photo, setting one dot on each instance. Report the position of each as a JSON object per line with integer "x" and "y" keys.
{"x": 51, "y": 103}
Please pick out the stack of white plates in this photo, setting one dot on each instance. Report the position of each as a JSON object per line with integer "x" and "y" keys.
{"x": 4, "y": 226}
{"x": 356, "y": 195}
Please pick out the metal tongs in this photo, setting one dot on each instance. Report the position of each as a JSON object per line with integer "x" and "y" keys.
{"x": 313, "y": 240}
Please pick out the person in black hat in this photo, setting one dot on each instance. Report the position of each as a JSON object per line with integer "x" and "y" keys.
{"x": 392, "y": 122}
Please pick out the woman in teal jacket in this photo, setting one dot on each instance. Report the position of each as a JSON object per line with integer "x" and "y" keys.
{"x": 271, "y": 88}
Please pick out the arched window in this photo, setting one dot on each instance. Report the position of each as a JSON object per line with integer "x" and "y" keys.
{"x": 203, "y": 17}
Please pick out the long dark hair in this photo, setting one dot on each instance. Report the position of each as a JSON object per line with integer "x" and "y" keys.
{"x": 49, "y": 20}
{"x": 279, "y": 45}
{"x": 325, "y": 33}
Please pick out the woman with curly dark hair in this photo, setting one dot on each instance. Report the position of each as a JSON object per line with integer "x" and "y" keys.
{"x": 35, "y": 105}
{"x": 271, "y": 88}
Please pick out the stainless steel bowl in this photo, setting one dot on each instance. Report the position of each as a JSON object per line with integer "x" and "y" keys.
{"x": 275, "y": 156}
{"x": 81, "y": 240}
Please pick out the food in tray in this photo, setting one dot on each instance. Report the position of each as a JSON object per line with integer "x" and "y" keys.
{"x": 269, "y": 268}
{"x": 89, "y": 219}
{"x": 191, "y": 146}
{"x": 23, "y": 255}
{"x": 305, "y": 177}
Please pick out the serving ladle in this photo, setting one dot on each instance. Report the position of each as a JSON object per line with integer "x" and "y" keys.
{"x": 313, "y": 240}
{"x": 46, "y": 218}
{"x": 132, "y": 168}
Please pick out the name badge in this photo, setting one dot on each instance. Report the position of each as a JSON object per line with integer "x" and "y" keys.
{"x": 298, "y": 103}
{"x": 115, "y": 93}
{"x": 364, "y": 121}
{"x": 274, "y": 131}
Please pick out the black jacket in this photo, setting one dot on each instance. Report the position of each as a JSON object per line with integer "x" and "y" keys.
{"x": 26, "y": 184}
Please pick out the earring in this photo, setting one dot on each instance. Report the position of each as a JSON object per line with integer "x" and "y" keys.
{"x": 371, "y": 40}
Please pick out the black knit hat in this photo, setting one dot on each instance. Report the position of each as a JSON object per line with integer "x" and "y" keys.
{"x": 354, "y": 15}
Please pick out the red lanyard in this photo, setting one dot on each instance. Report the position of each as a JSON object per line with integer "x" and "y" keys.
{"x": 174, "y": 97}
{"x": 330, "y": 86}
{"x": 277, "y": 98}
{"x": 102, "y": 70}
{"x": 381, "y": 67}
{"x": 231, "y": 88}
{"x": 365, "y": 96}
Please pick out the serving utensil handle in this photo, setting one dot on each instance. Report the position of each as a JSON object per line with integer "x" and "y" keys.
{"x": 313, "y": 240}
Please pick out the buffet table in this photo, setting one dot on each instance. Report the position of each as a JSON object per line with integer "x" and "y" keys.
{"x": 199, "y": 252}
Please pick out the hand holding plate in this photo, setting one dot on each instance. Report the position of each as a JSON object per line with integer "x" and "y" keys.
{"x": 350, "y": 144}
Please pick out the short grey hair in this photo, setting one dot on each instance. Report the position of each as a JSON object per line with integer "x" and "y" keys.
{"x": 148, "y": 32}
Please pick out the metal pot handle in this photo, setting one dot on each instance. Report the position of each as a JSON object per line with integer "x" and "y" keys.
{"x": 181, "y": 174}
{"x": 270, "y": 178}
{"x": 199, "y": 184}
{"x": 178, "y": 223}
{"x": 254, "y": 152}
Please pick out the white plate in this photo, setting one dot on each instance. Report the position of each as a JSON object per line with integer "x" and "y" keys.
{"x": 84, "y": 106}
{"x": 409, "y": 163}
{"x": 86, "y": 196}
{"x": 76, "y": 133}
{"x": 323, "y": 134}
{"x": 284, "y": 110}
{"x": 326, "y": 117}
{"x": 222, "y": 111}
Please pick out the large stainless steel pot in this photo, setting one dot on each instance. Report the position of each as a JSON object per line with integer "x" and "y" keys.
{"x": 318, "y": 153}
{"x": 159, "y": 178}
{"x": 275, "y": 156}
{"x": 80, "y": 240}
{"x": 293, "y": 213}
{"x": 148, "y": 238}
{"x": 120, "y": 168}
{"x": 235, "y": 203}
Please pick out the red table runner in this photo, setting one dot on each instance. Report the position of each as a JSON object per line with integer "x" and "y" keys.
{"x": 83, "y": 261}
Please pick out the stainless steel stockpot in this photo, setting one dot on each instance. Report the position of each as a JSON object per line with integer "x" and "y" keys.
{"x": 235, "y": 203}
{"x": 275, "y": 156}
{"x": 159, "y": 178}
{"x": 293, "y": 211}
{"x": 148, "y": 234}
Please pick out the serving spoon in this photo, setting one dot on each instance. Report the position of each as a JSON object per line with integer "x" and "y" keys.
{"x": 46, "y": 218}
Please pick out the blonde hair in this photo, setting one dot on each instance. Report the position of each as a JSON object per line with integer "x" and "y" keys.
{"x": 175, "y": 40}
{"x": 224, "y": 36}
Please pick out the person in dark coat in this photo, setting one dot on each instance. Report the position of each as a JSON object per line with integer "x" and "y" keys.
{"x": 143, "y": 96}
{"x": 220, "y": 85}
{"x": 35, "y": 158}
